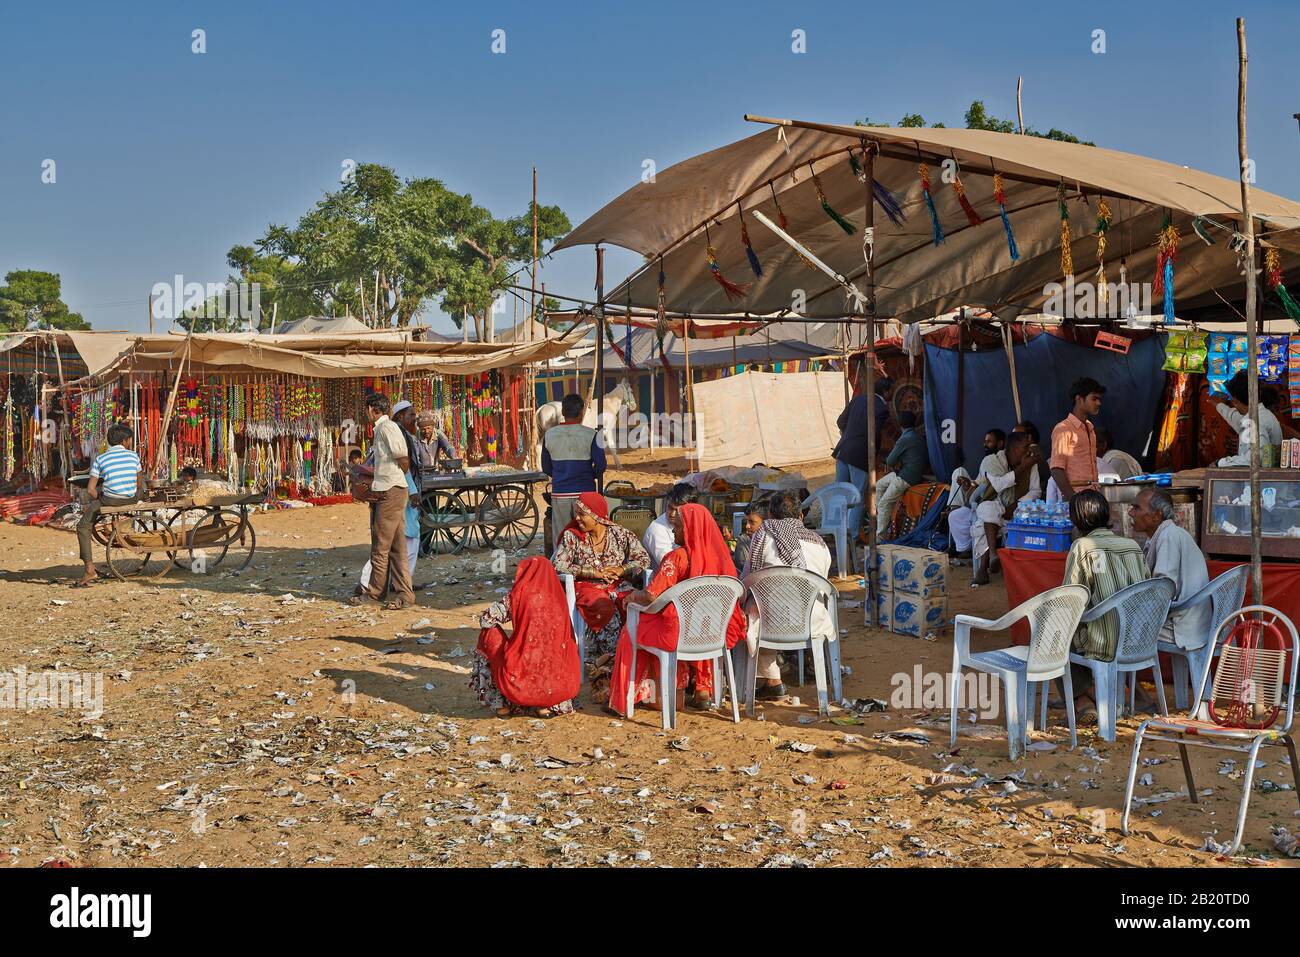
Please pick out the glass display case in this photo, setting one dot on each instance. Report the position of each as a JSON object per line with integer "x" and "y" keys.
{"x": 1227, "y": 512}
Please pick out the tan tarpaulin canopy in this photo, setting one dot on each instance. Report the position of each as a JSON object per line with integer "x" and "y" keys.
{"x": 382, "y": 353}
{"x": 916, "y": 279}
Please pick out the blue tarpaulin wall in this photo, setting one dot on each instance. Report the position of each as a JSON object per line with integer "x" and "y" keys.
{"x": 1045, "y": 368}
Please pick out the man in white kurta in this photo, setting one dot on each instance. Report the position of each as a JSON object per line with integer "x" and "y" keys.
{"x": 785, "y": 531}
{"x": 963, "y": 492}
{"x": 1172, "y": 552}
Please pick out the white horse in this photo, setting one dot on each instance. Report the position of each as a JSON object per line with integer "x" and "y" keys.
{"x": 621, "y": 396}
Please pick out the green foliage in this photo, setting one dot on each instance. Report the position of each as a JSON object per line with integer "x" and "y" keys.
{"x": 26, "y": 290}
{"x": 423, "y": 241}
{"x": 978, "y": 118}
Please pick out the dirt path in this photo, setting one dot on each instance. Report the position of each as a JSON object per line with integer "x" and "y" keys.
{"x": 256, "y": 719}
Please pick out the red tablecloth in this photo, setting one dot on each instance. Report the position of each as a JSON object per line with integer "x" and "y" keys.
{"x": 1028, "y": 573}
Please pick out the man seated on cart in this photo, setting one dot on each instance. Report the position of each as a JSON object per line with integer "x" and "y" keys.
{"x": 116, "y": 478}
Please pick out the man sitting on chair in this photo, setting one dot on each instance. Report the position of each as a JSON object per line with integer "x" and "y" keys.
{"x": 963, "y": 492}
{"x": 908, "y": 459}
{"x": 658, "y": 539}
{"x": 782, "y": 541}
{"x": 1019, "y": 483}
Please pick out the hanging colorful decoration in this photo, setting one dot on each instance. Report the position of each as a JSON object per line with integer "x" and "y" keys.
{"x": 1000, "y": 195}
{"x": 752, "y": 256}
{"x": 780, "y": 213}
{"x": 843, "y": 223}
{"x": 1103, "y": 224}
{"x": 936, "y": 228}
{"x": 960, "y": 189}
{"x": 733, "y": 290}
{"x": 1273, "y": 281}
{"x": 886, "y": 200}
{"x": 1166, "y": 253}
{"x": 1067, "y": 260}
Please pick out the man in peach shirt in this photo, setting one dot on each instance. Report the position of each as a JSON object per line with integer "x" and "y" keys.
{"x": 1074, "y": 442}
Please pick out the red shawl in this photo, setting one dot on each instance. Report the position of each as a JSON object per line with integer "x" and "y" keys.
{"x": 596, "y": 504}
{"x": 537, "y": 666}
{"x": 709, "y": 555}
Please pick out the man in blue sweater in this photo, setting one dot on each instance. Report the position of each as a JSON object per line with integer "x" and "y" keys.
{"x": 908, "y": 460}
{"x": 573, "y": 455}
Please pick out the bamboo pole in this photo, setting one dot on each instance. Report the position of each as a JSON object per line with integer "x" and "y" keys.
{"x": 1252, "y": 322}
{"x": 1020, "y": 113}
{"x": 1008, "y": 345}
{"x": 171, "y": 404}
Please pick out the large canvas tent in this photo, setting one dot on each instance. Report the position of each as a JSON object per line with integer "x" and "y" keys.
{"x": 915, "y": 278}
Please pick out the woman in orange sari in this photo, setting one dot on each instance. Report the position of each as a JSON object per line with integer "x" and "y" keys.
{"x": 701, "y": 551}
{"x": 536, "y": 666}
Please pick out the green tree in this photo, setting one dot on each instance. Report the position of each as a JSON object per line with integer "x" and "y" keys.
{"x": 978, "y": 118}
{"x": 281, "y": 295}
{"x": 415, "y": 240}
{"x": 31, "y": 293}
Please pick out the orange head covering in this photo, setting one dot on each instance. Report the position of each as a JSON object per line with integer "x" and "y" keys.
{"x": 594, "y": 503}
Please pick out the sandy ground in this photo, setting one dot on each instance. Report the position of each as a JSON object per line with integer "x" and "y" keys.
{"x": 256, "y": 719}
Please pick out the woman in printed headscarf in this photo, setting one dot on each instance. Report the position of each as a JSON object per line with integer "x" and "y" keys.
{"x": 536, "y": 666}
{"x": 701, "y": 551}
{"x": 603, "y": 557}
{"x": 783, "y": 541}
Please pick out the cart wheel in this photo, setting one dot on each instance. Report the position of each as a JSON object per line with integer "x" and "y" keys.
{"x": 512, "y": 517}
{"x": 226, "y": 536}
{"x": 477, "y": 535}
{"x": 442, "y": 531}
{"x": 139, "y": 548}
{"x": 102, "y": 530}
{"x": 181, "y": 525}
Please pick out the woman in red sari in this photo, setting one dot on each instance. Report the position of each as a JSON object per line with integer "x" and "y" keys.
{"x": 536, "y": 666}
{"x": 602, "y": 556}
{"x": 701, "y": 551}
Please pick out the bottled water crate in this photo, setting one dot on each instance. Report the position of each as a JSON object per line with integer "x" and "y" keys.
{"x": 1038, "y": 538}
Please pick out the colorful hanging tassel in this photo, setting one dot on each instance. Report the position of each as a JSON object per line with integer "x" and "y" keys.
{"x": 1067, "y": 260}
{"x": 1199, "y": 228}
{"x": 1273, "y": 280}
{"x": 844, "y": 224}
{"x": 929, "y": 204}
{"x": 959, "y": 188}
{"x": 733, "y": 290}
{"x": 888, "y": 203}
{"x": 858, "y": 171}
{"x": 1000, "y": 195}
{"x": 752, "y": 256}
{"x": 1103, "y": 224}
{"x": 1166, "y": 253}
{"x": 780, "y": 214}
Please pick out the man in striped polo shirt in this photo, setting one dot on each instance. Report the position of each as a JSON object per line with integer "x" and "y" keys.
{"x": 115, "y": 479}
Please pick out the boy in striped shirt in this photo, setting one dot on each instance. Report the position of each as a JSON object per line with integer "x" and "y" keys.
{"x": 115, "y": 479}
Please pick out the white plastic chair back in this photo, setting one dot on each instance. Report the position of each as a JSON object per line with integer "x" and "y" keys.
{"x": 1226, "y": 592}
{"x": 1053, "y": 619}
{"x": 1142, "y": 609}
{"x": 704, "y": 608}
{"x": 1266, "y": 667}
{"x": 836, "y": 499}
{"x": 786, "y": 598}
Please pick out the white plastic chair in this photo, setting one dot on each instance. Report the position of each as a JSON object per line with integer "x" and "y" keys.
{"x": 1225, "y": 595}
{"x": 1053, "y": 617}
{"x": 786, "y": 599}
{"x": 704, "y": 607}
{"x": 1265, "y": 669}
{"x": 836, "y": 500}
{"x": 579, "y": 623}
{"x": 1141, "y": 609}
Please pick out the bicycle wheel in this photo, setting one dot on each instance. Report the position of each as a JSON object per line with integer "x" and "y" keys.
{"x": 181, "y": 525}
{"x": 513, "y": 517}
{"x": 225, "y": 536}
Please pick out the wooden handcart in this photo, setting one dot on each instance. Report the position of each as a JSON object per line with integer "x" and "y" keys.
{"x": 481, "y": 510}
{"x": 145, "y": 539}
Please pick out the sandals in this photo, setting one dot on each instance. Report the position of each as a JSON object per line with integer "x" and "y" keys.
{"x": 397, "y": 604}
{"x": 1087, "y": 714}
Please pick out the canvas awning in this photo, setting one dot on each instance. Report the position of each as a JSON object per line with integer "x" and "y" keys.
{"x": 383, "y": 353}
{"x": 916, "y": 279}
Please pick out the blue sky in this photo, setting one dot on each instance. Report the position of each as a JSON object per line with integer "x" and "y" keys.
{"x": 166, "y": 158}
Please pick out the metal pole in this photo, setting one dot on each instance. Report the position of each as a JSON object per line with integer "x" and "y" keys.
{"x": 869, "y": 361}
{"x": 1252, "y": 322}
{"x": 598, "y": 367}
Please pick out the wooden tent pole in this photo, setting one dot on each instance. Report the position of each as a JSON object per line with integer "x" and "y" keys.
{"x": 171, "y": 405}
{"x": 1011, "y": 366}
{"x": 1252, "y": 323}
{"x": 869, "y": 387}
